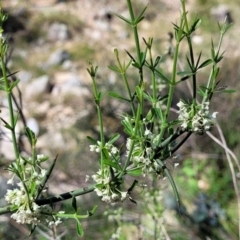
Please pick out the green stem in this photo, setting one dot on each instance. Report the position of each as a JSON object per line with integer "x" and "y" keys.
{"x": 170, "y": 94}
{"x": 100, "y": 119}
{"x": 191, "y": 53}
{"x": 129, "y": 93}
{"x": 136, "y": 38}
{"x": 133, "y": 141}
{"x": 211, "y": 81}
{"x": 10, "y": 105}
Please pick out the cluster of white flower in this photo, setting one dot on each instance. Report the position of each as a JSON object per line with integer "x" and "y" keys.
{"x": 111, "y": 149}
{"x": 28, "y": 211}
{"x": 141, "y": 157}
{"x": 105, "y": 190}
{"x": 22, "y": 198}
{"x": 199, "y": 122}
{"x": 117, "y": 234}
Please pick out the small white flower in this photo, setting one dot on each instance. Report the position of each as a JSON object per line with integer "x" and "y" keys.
{"x": 214, "y": 115}
{"x": 58, "y": 222}
{"x": 114, "y": 150}
{"x": 51, "y": 223}
{"x": 87, "y": 178}
{"x": 115, "y": 196}
{"x": 92, "y": 148}
{"x": 147, "y": 132}
{"x": 106, "y": 198}
{"x": 128, "y": 144}
{"x": 180, "y": 104}
{"x": 124, "y": 195}
{"x": 176, "y": 164}
{"x": 10, "y": 181}
{"x": 99, "y": 192}
{"x": 149, "y": 151}
{"x": 43, "y": 172}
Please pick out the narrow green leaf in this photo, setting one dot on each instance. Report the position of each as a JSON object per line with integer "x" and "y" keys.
{"x": 33, "y": 227}
{"x": 195, "y": 25}
{"x": 46, "y": 177}
{"x": 135, "y": 172}
{"x": 79, "y": 228}
{"x": 114, "y": 68}
{"x": 205, "y": 63}
{"x": 141, "y": 14}
{"x": 31, "y": 136}
{"x": 215, "y": 72}
{"x": 170, "y": 178}
{"x": 143, "y": 57}
{"x": 198, "y": 60}
{"x": 139, "y": 93}
{"x": 161, "y": 98}
{"x": 150, "y": 114}
{"x": 114, "y": 138}
{"x": 15, "y": 83}
{"x": 15, "y": 120}
{"x": 162, "y": 76}
{"x": 115, "y": 95}
{"x": 123, "y": 18}
{"x": 156, "y": 61}
{"x": 74, "y": 203}
{"x": 213, "y": 52}
{"x": 129, "y": 63}
{"x": 130, "y": 56}
{"x": 93, "y": 210}
{"x": 137, "y": 21}
{"x": 112, "y": 164}
{"x": 183, "y": 79}
{"x": 92, "y": 140}
{"x": 226, "y": 91}
{"x": 2, "y": 87}
{"x": 136, "y": 65}
{"x": 134, "y": 184}
{"x": 100, "y": 96}
{"x": 7, "y": 125}
{"x": 148, "y": 97}
{"x": 132, "y": 200}
{"x": 105, "y": 153}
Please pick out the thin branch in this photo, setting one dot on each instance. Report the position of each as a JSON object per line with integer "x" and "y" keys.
{"x": 227, "y": 152}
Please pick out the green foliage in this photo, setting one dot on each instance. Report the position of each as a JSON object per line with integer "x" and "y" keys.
{"x": 152, "y": 134}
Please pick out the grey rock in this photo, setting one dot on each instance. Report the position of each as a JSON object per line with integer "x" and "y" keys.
{"x": 53, "y": 139}
{"x": 57, "y": 57}
{"x": 58, "y": 32}
{"x": 67, "y": 82}
{"x": 3, "y": 190}
{"x": 39, "y": 86}
{"x": 24, "y": 76}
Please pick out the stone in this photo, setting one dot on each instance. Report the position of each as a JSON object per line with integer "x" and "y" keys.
{"x": 38, "y": 86}
{"x": 53, "y": 139}
{"x": 57, "y": 58}
{"x": 68, "y": 82}
{"x": 58, "y": 32}
{"x": 24, "y": 76}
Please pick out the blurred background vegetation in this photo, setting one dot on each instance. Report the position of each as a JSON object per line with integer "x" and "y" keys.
{"x": 51, "y": 43}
